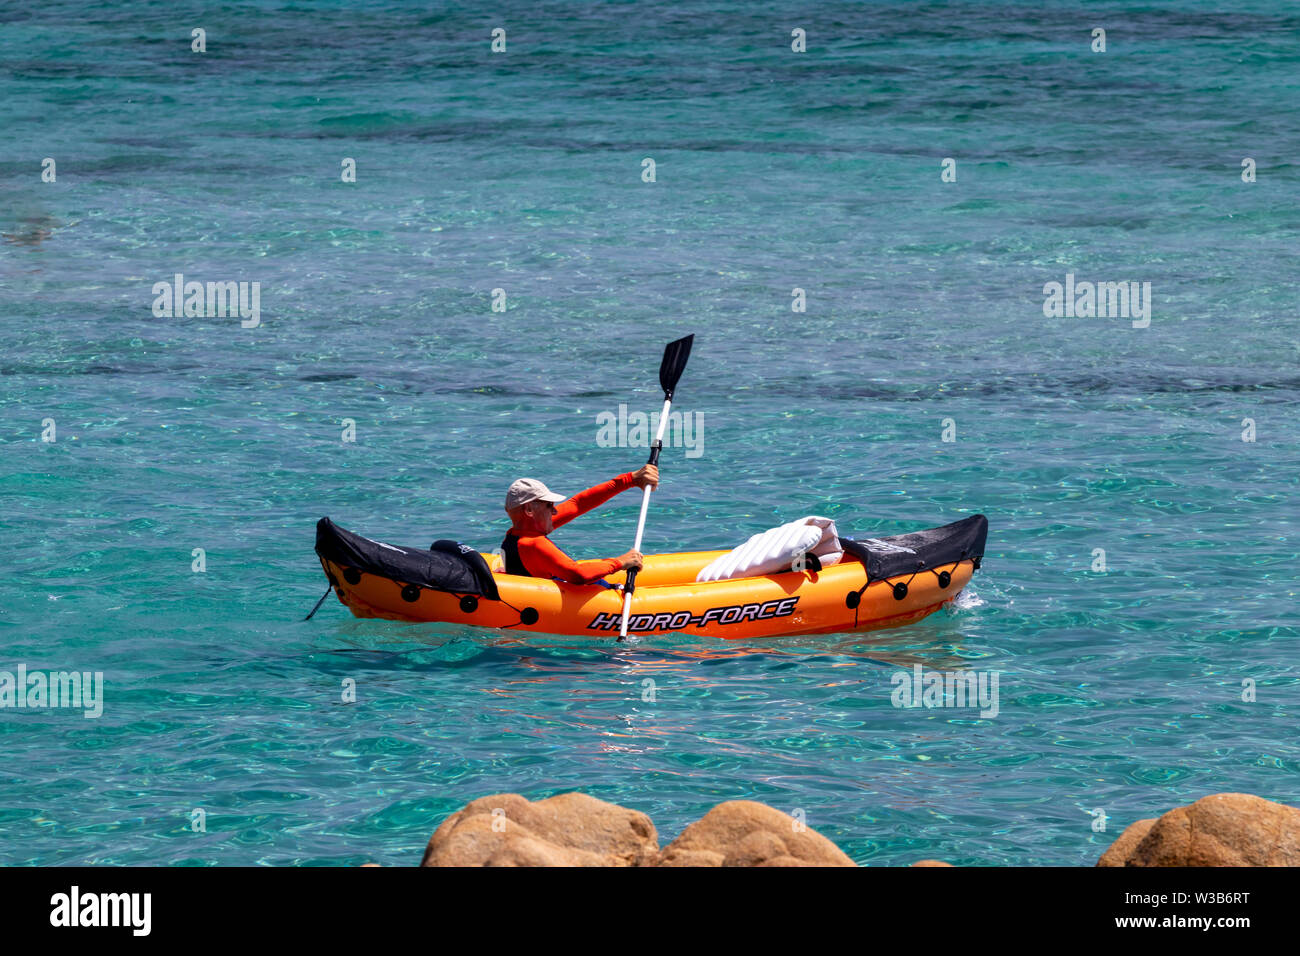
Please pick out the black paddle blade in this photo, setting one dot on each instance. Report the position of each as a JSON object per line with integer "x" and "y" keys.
{"x": 670, "y": 370}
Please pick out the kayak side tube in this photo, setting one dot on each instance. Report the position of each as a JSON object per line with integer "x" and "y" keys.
{"x": 881, "y": 583}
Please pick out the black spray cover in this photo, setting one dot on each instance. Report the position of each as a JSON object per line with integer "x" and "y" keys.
{"x": 920, "y": 550}
{"x": 448, "y": 566}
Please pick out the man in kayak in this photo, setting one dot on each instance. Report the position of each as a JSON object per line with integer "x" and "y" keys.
{"x": 534, "y": 514}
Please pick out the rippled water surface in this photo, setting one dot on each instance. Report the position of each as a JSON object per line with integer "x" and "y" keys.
{"x": 1120, "y": 691}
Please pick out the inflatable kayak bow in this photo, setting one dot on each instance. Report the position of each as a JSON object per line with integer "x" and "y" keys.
{"x": 881, "y": 582}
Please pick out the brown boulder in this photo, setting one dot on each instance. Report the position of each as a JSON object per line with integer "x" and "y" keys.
{"x": 690, "y": 858}
{"x": 571, "y": 829}
{"x": 1123, "y": 847}
{"x": 745, "y": 833}
{"x": 1224, "y": 829}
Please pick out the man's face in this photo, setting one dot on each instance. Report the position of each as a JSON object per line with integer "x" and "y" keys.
{"x": 542, "y": 513}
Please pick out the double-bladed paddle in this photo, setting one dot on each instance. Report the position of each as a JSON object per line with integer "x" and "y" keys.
{"x": 670, "y": 370}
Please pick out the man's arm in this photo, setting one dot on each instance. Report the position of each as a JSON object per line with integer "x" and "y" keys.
{"x": 584, "y": 501}
{"x": 544, "y": 560}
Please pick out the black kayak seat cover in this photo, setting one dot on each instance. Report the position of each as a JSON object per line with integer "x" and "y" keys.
{"x": 921, "y": 550}
{"x": 447, "y": 566}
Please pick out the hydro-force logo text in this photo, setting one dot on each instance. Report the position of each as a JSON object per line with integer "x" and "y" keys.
{"x": 676, "y": 620}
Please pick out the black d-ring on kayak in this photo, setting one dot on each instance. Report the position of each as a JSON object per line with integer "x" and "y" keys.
{"x": 854, "y": 598}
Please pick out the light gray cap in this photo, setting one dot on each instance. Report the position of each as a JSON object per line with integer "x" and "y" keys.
{"x": 525, "y": 490}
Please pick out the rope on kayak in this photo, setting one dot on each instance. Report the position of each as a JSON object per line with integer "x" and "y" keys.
{"x": 329, "y": 577}
{"x": 411, "y": 594}
{"x": 469, "y": 604}
{"x": 900, "y": 588}
{"x": 527, "y": 616}
{"x": 320, "y": 602}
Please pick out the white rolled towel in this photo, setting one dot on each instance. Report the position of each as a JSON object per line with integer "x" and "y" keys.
{"x": 772, "y": 551}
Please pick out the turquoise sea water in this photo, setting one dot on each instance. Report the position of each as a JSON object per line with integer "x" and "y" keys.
{"x": 1120, "y": 691}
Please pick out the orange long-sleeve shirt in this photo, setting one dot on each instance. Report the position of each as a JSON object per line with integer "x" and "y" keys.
{"x": 542, "y": 559}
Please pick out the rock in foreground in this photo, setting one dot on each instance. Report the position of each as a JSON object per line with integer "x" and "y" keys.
{"x": 573, "y": 829}
{"x": 745, "y": 833}
{"x": 1224, "y": 829}
{"x": 1123, "y": 848}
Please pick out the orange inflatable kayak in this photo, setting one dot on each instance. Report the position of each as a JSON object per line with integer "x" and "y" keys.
{"x": 879, "y": 583}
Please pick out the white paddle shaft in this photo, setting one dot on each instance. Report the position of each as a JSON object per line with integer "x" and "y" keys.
{"x": 640, "y": 524}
